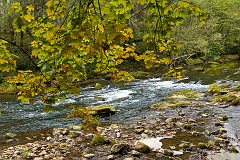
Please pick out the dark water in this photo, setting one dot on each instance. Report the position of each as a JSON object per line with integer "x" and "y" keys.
{"x": 131, "y": 101}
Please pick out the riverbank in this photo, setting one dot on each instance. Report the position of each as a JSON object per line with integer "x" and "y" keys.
{"x": 120, "y": 141}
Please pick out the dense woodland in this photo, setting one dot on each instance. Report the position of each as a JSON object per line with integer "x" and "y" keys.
{"x": 50, "y": 45}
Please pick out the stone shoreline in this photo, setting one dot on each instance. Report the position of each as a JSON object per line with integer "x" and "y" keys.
{"x": 120, "y": 141}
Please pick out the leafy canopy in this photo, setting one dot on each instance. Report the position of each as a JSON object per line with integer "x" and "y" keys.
{"x": 73, "y": 39}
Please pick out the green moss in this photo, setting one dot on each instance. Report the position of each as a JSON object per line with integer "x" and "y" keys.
{"x": 216, "y": 89}
{"x": 140, "y": 74}
{"x": 170, "y": 104}
{"x": 199, "y": 68}
{"x": 191, "y": 61}
{"x": 113, "y": 142}
{"x": 234, "y": 150}
{"x": 235, "y": 102}
{"x": 202, "y": 145}
{"x": 185, "y": 94}
{"x": 229, "y": 98}
{"x": 99, "y": 140}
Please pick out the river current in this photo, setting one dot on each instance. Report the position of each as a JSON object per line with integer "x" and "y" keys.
{"x": 131, "y": 101}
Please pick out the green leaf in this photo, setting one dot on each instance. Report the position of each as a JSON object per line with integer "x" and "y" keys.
{"x": 48, "y": 109}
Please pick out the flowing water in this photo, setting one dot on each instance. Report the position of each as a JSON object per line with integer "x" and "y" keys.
{"x": 131, "y": 102}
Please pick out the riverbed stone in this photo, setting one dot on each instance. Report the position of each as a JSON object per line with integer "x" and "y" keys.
{"x": 76, "y": 128}
{"x": 63, "y": 146}
{"x": 121, "y": 148}
{"x": 188, "y": 126}
{"x": 141, "y": 147}
{"x": 38, "y": 158}
{"x": 168, "y": 152}
{"x": 218, "y": 139}
{"x": 222, "y": 130}
{"x": 223, "y": 117}
{"x": 102, "y": 111}
{"x": 110, "y": 157}
{"x": 88, "y": 156}
{"x": 75, "y": 134}
{"x": 202, "y": 145}
{"x": 186, "y": 146}
{"x": 139, "y": 130}
{"x": 135, "y": 153}
{"x": 219, "y": 124}
{"x": 9, "y": 135}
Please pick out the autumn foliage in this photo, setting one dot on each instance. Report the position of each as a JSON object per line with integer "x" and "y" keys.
{"x": 71, "y": 39}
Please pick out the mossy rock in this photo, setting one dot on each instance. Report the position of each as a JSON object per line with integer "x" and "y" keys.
{"x": 102, "y": 111}
{"x": 217, "y": 89}
{"x": 202, "y": 145}
{"x": 230, "y": 98}
{"x": 224, "y": 98}
{"x": 99, "y": 140}
{"x": 183, "y": 94}
{"x": 196, "y": 61}
{"x": 9, "y": 135}
{"x": 235, "y": 102}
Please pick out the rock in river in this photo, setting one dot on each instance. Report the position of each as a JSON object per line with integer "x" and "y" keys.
{"x": 102, "y": 111}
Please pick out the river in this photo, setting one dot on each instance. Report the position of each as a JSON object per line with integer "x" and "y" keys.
{"x": 131, "y": 102}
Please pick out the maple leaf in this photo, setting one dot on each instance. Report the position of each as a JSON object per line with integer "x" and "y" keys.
{"x": 30, "y": 8}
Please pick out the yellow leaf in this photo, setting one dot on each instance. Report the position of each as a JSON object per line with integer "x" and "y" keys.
{"x": 162, "y": 49}
{"x": 166, "y": 61}
{"x": 28, "y": 17}
{"x": 30, "y": 8}
{"x": 23, "y": 99}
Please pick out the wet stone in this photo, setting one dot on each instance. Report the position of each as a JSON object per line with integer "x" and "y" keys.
{"x": 168, "y": 152}
{"x": 223, "y": 117}
{"x": 202, "y": 145}
{"x": 141, "y": 147}
{"x": 110, "y": 157}
{"x": 219, "y": 124}
{"x": 120, "y": 148}
{"x": 89, "y": 155}
{"x": 218, "y": 140}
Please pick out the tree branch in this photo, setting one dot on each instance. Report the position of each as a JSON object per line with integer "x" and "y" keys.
{"x": 12, "y": 43}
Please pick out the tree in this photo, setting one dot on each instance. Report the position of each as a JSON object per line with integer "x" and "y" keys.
{"x": 72, "y": 39}
{"x": 220, "y": 34}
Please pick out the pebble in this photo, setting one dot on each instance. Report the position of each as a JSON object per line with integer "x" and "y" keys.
{"x": 118, "y": 134}
{"x": 89, "y": 155}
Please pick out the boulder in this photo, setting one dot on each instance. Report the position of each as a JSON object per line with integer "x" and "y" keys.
{"x": 121, "y": 148}
{"x": 101, "y": 111}
{"x": 9, "y": 135}
{"x": 141, "y": 147}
